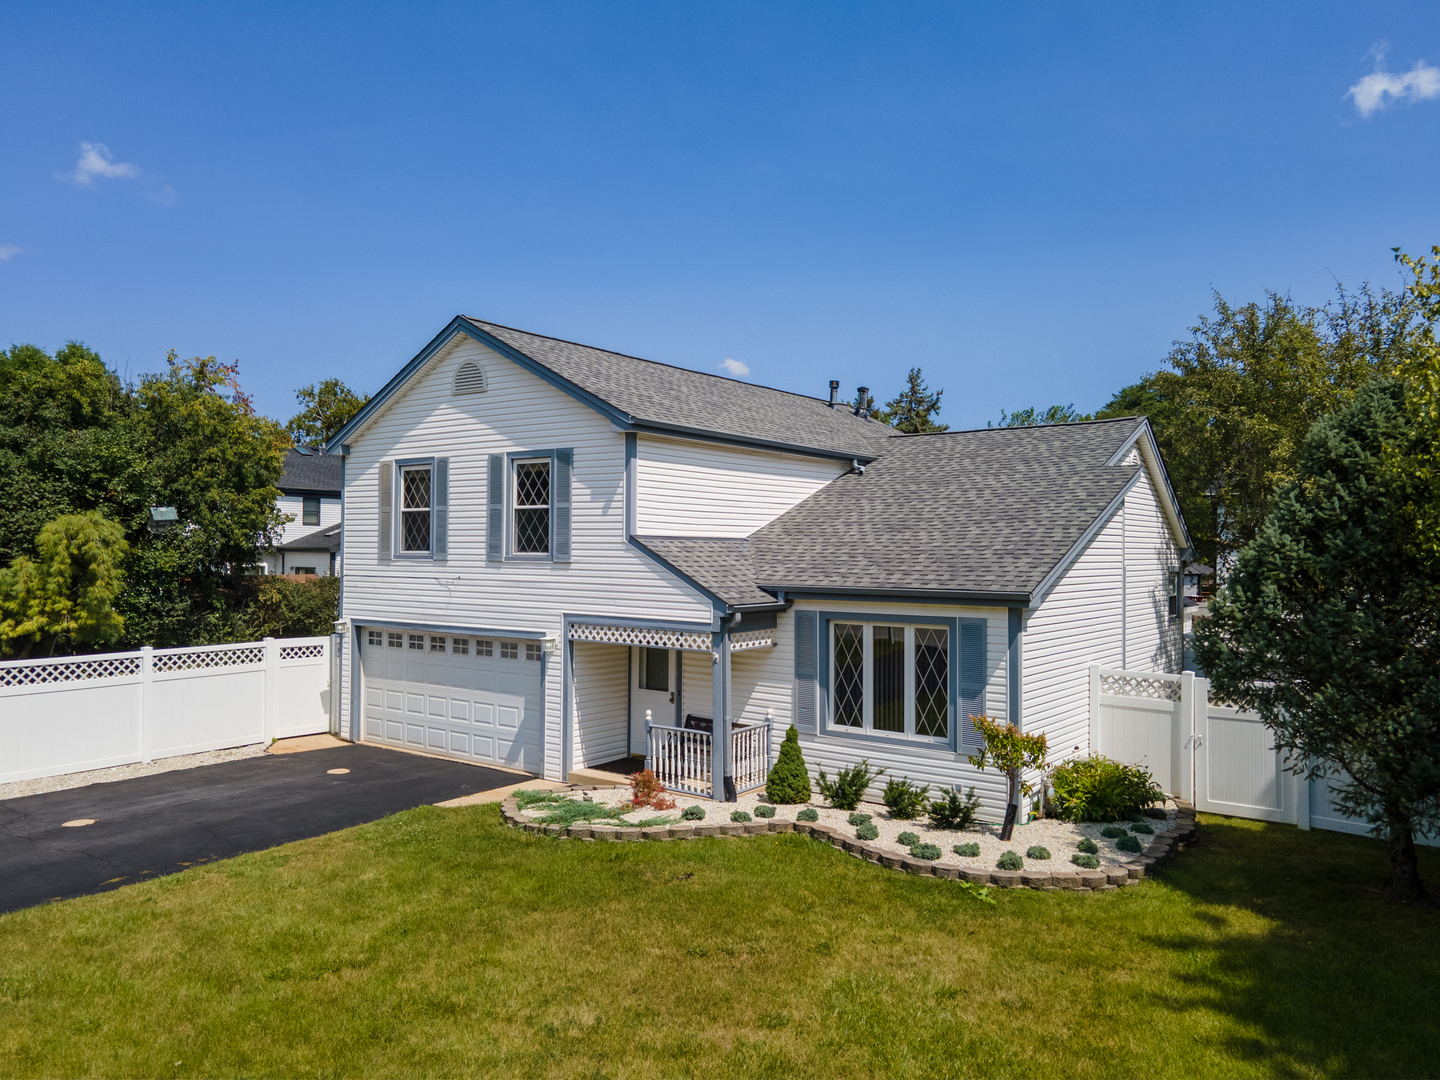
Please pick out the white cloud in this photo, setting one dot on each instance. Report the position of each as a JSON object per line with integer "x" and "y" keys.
{"x": 9, "y": 251}
{"x": 96, "y": 160}
{"x": 1378, "y": 89}
{"x": 735, "y": 367}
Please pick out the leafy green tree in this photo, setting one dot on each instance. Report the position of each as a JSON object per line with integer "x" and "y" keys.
{"x": 1329, "y": 625}
{"x": 328, "y": 407}
{"x": 287, "y": 608}
{"x": 1033, "y": 417}
{"x": 913, "y": 409}
{"x": 64, "y": 597}
{"x": 1421, "y": 369}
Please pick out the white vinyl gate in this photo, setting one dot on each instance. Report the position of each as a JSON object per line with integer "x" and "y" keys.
{"x": 477, "y": 699}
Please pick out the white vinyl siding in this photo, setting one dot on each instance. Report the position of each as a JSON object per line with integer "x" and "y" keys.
{"x": 703, "y": 489}
{"x": 294, "y": 504}
{"x": 1152, "y": 638}
{"x": 518, "y": 412}
{"x": 601, "y": 701}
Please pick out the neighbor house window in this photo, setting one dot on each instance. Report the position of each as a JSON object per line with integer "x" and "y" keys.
{"x": 891, "y": 680}
{"x": 302, "y": 569}
{"x": 1175, "y": 600}
{"x": 415, "y": 508}
{"x": 532, "y": 507}
{"x": 310, "y": 510}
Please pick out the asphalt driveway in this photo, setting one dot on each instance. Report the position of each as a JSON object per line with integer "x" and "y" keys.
{"x": 161, "y": 824}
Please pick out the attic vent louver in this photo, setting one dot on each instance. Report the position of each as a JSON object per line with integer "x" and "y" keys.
{"x": 469, "y": 379}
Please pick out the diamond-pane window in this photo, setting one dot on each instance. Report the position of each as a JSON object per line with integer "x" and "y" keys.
{"x": 532, "y": 507}
{"x": 932, "y": 683}
{"x": 849, "y": 675}
{"x": 415, "y": 509}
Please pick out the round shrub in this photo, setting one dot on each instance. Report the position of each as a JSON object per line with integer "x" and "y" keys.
{"x": 907, "y": 839}
{"x": 1113, "y": 832}
{"x": 1155, "y": 812}
{"x": 857, "y": 818}
{"x": 789, "y": 780}
{"x": 1085, "y": 861}
{"x": 905, "y": 800}
{"x": 1087, "y": 847}
{"x": 1010, "y": 861}
{"x": 808, "y": 814}
{"x": 1143, "y": 828}
{"x": 1098, "y": 789}
{"x": 966, "y": 851}
{"x": 693, "y": 813}
{"x": 1128, "y": 843}
{"x": 954, "y": 812}
{"x": 868, "y": 831}
{"x": 740, "y": 815}
{"x": 764, "y": 810}
{"x": 1037, "y": 852}
{"x": 925, "y": 851}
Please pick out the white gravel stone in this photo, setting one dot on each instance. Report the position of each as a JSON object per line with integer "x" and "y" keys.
{"x": 20, "y": 788}
{"x": 1060, "y": 837}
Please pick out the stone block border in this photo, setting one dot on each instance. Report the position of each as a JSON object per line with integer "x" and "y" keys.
{"x": 1165, "y": 844}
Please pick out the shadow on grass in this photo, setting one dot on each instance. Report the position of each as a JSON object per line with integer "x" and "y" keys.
{"x": 1322, "y": 973}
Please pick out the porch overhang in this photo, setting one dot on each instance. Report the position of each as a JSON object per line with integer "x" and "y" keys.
{"x": 661, "y": 638}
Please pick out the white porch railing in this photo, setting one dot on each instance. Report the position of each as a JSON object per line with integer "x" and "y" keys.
{"x": 750, "y": 755}
{"x": 680, "y": 758}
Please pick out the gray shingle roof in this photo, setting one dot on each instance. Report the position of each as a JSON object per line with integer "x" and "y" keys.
{"x": 676, "y": 397}
{"x": 326, "y": 539}
{"x": 314, "y": 473}
{"x": 981, "y": 512}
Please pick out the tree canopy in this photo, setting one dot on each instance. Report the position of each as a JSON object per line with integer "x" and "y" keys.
{"x": 1033, "y": 417}
{"x": 328, "y": 407}
{"x": 1329, "y": 624}
{"x": 66, "y": 594}
{"x": 913, "y": 410}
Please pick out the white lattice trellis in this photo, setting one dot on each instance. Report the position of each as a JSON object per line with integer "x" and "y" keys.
{"x": 752, "y": 639}
{"x": 687, "y": 640}
{"x": 301, "y": 652}
{"x": 1157, "y": 688}
{"x": 210, "y": 658}
{"x": 57, "y": 671}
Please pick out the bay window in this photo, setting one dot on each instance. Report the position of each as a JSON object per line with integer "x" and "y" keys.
{"x": 891, "y": 680}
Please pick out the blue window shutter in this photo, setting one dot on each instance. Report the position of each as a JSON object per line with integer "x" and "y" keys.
{"x": 560, "y": 506}
{"x": 387, "y": 501}
{"x": 440, "y": 503}
{"x": 495, "y": 510}
{"x": 805, "y": 628}
{"x": 972, "y": 675}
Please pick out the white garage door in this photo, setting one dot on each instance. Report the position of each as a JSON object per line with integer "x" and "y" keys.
{"x": 480, "y": 699}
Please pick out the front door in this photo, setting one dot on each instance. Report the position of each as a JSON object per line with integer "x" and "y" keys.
{"x": 652, "y": 681}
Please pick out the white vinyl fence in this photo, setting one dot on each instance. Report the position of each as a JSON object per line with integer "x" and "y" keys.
{"x": 91, "y": 712}
{"x": 1207, "y": 752}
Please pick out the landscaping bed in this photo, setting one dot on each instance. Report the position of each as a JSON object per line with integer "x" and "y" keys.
{"x": 601, "y": 814}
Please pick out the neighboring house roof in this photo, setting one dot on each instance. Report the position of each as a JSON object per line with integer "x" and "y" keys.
{"x": 1196, "y": 569}
{"x": 313, "y": 473}
{"x": 983, "y": 514}
{"x": 326, "y": 539}
{"x": 644, "y": 395}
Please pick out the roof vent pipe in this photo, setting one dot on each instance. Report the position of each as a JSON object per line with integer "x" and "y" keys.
{"x": 834, "y": 392}
{"x": 860, "y": 401}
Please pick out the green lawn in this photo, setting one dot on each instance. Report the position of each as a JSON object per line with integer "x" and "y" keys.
{"x": 437, "y": 942}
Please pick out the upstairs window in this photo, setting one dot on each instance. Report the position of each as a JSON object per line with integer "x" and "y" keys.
{"x": 415, "y": 508}
{"x": 310, "y": 510}
{"x": 532, "y": 507}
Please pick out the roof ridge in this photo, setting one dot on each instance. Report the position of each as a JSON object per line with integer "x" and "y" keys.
{"x": 1020, "y": 427}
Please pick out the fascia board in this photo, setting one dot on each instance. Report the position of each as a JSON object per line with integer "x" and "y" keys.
{"x": 978, "y": 598}
{"x": 651, "y": 427}
{"x": 1144, "y": 441}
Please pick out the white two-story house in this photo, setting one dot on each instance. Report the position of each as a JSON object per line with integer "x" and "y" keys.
{"x": 558, "y": 556}
{"x": 310, "y": 496}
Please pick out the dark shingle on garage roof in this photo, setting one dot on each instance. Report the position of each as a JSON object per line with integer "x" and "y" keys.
{"x": 987, "y": 512}
{"x": 678, "y": 398}
{"x": 314, "y": 473}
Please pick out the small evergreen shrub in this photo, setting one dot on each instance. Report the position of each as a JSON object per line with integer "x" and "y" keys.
{"x": 740, "y": 815}
{"x": 1143, "y": 828}
{"x": 1155, "y": 812}
{"x": 1010, "y": 861}
{"x": 693, "y": 813}
{"x": 1128, "y": 843}
{"x": 1037, "y": 852}
{"x": 868, "y": 831}
{"x": 1098, "y": 789}
{"x": 654, "y": 822}
{"x": 789, "y": 780}
{"x": 528, "y": 797}
{"x": 905, "y": 800}
{"x": 955, "y": 811}
{"x": 1113, "y": 832}
{"x": 848, "y": 787}
{"x": 925, "y": 851}
{"x": 858, "y": 818}
{"x": 1085, "y": 861}
{"x": 966, "y": 851}
{"x": 907, "y": 839}
{"x": 808, "y": 814}
{"x": 1087, "y": 847}
{"x": 764, "y": 810}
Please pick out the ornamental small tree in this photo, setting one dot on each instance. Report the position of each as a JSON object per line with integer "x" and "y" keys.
{"x": 789, "y": 781}
{"x": 1012, "y": 752}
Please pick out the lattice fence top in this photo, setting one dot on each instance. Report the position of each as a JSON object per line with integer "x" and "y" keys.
{"x": 210, "y": 658}
{"x": 752, "y": 639}
{"x": 1155, "y": 687}
{"x": 688, "y": 640}
{"x": 301, "y": 652}
{"x": 56, "y": 671}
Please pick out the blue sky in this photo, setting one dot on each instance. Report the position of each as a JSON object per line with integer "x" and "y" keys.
{"x": 1028, "y": 201}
